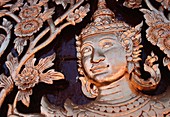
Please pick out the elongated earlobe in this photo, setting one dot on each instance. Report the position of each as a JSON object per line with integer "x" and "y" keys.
{"x": 89, "y": 89}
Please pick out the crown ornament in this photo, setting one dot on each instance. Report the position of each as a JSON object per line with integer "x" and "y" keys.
{"x": 103, "y": 21}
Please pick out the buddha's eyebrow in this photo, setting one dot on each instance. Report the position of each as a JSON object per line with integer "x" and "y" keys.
{"x": 107, "y": 39}
{"x": 86, "y": 44}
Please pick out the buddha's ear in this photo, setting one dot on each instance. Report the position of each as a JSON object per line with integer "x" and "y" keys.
{"x": 89, "y": 89}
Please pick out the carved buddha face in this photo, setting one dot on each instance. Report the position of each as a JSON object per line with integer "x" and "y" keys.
{"x": 103, "y": 58}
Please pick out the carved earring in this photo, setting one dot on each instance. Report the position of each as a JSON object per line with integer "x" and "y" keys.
{"x": 89, "y": 89}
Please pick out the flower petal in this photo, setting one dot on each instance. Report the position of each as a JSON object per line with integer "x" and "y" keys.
{"x": 19, "y": 44}
{"x": 51, "y": 75}
{"x": 24, "y": 96}
{"x": 31, "y": 62}
{"x": 45, "y": 63}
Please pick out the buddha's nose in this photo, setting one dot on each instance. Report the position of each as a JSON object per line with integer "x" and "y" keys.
{"x": 97, "y": 56}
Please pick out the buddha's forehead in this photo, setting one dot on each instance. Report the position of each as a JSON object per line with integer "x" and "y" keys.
{"x": 98, "y": 37}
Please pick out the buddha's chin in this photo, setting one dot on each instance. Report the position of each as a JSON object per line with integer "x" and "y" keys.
{"x": 105, "y": 78}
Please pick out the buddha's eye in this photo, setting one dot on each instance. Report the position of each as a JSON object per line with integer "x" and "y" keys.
{"x": 87, "y": 50}
{"x": 107, "y": 44}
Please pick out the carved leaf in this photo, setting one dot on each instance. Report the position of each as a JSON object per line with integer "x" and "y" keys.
{"x": 30, "y": 62}
{"x": 166, "y": 62}
{"x": 7, "y": 23}
{"x": 45, "y": 63}
{"x": 150, "y": 70}
{"x": 6, "y": 83}
{"x": 2, "y": 12}
{"x": 158, "y": 31}
{"x": 11, "y": 62}
{"x": 51, "y": 75}
{"x": 132, "y": 3}
{"x": 2, "y": 2}
{"x": 78, "y": 15}
{"x": 47, "y": 14}
{"x": 19, "y": 44}
{"x": 42, "y": 2}
{"x": 153, "y": 69}
{"x": 24, "y": 96}
{"x": 32, "y": 1}
{"x": 165, "y": 3}
{"x": 153, "y": 17}
{"x": 64, "y": 2}
{"x": 16, "y": 6}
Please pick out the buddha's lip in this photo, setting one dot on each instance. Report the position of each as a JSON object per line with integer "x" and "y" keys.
{"x": 99, "y": 68}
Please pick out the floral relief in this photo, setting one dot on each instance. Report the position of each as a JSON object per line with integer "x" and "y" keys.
{"x": 64, "y": 2}
{"x": 32, "y": 75}
{"x": 32, "y": 19}
{"x": 30, "y": 11}
{"x": 25, "y": 19}
{"x": 27, "y": 79}
{"x": 78, "y": 15}
{"x": 132, "y": 3}
{"x": 158, "y": 32}
{"x": 28, "y": 26}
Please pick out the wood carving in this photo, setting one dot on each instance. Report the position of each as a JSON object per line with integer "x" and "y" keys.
{"x": 29, "y": 17}
{"x": 108, "y": 52}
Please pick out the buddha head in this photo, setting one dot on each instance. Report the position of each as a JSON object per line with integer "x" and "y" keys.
{"x": 107, "y": 48}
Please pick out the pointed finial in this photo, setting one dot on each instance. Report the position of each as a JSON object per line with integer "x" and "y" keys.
{"x": 102, "y": 11}
{"x": 103, "y": 21}
{"x": 101, "y": 4}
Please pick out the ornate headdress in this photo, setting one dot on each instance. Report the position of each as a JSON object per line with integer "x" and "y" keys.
{"x": 103, "y": 21}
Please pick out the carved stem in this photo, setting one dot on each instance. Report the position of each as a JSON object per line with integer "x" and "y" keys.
{"x": 50, "y": 22}
{"x": 17, "y": 19}
{"x": 48, "y": 41}
{"x": 3, "y": 95}
{"x": 51, "y": 38}
{"x": 6, "y": 41}
{"x": 150, "y": 5}
{"x": 56, "y": 22}
{"x": 15, "y": 100}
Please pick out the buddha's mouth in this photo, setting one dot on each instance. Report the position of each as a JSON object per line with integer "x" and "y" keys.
{"x": 99, "y": 68}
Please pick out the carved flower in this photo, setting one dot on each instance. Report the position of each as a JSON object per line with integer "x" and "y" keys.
{"x": 158, "y": 32}
{"x": 30, "y": 11}
{"x": 72, "y": 17}
{"x": 78, "y": 15}
{"x": 27, "y": 79}
{"x": 164, "y": 44}
{"x": 32, "y": 75}
{"x": 32, "y": 18}
{"x": 27, "y": 27}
